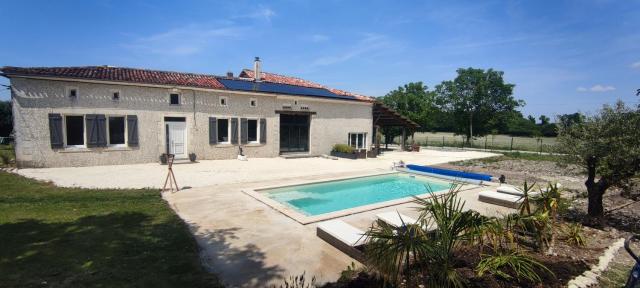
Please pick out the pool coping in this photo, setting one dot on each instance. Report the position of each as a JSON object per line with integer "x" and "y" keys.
{"x": 304, "y": 219}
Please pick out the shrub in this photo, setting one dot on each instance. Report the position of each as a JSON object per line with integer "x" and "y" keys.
{"x": 342, "y": 148}
{"x": 6, "y": 160}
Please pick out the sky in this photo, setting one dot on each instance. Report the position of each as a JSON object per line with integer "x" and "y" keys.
{"x": 562, "y": 56}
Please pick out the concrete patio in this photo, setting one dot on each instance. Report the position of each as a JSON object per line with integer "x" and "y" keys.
{"x": 244, "y": 241}
{"x": 221, "y": 172}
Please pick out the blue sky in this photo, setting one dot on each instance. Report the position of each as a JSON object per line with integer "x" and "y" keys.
{"x": 563, "y": 56}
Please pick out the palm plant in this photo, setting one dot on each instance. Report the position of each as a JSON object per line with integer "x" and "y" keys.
{"x": 506, "y": 264}
{"x": 454, "y": 227}
{"x": 574, "y": 234}
{"x": 548, "y": 205}
{"x": 391, "y": 250}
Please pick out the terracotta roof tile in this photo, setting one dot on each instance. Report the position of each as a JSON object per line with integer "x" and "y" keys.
{"x": 133, "y": 75}
{"x": 120, "y": 74}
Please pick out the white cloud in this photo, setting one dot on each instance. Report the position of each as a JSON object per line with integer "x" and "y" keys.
{"x": 635, "y": 65}
{"x": 368, "y": 44}
{"x": 184, "y": 41}
{"x": 597, "y": 88}
{"x": 262, "y": 13}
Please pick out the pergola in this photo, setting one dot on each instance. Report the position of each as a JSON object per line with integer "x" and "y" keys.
{"x": 384, "y": 116}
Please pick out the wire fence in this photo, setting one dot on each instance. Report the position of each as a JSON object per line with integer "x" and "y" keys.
{"x": 489, "y": 142}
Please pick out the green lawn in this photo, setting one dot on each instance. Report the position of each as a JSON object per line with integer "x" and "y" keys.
{"x": 64, "y": 237}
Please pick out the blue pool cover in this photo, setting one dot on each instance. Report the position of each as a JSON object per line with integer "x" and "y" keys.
{"x": 450, "y": 173}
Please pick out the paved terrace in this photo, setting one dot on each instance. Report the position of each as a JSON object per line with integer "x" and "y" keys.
{"x": 247, "y": 243}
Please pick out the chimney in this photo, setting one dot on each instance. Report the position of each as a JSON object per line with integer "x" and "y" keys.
{"x": 230, "y": 75}
{"x": 257, "y": 69}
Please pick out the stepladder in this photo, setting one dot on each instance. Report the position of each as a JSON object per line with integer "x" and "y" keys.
{"x": 171, "y": 178}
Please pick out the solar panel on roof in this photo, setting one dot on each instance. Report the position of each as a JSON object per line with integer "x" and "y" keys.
{"x": 269, "y": 87}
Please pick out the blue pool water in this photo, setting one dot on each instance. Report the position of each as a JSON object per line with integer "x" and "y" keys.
{"x": 320, "y": 198}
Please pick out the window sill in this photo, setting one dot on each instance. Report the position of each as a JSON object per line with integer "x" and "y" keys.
{"x": 123, "y": 148}
{"x": 253, "y": 145}
{"x": 74, "y": 150}
{"x": 224, "y": 145}
{"x": 94, "y": 149}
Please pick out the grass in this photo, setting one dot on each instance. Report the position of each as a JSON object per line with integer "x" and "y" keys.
{"x": 71, "y": 237}
{"x": 496, "y": 142}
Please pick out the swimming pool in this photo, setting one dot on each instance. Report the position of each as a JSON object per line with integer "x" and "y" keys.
{"x": 326, "y": 197}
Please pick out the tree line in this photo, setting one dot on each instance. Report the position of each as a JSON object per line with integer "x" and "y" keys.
{"x": 476, "y": 103}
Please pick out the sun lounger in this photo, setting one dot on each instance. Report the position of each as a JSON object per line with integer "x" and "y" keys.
{"x": 343, "y": 236}
{"x": 502, "y": 199}
{"x": 396, "y": 219}
{"x": 507, "y": 189}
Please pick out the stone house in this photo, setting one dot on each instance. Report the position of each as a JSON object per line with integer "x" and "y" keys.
{"x": 104, "y": 115}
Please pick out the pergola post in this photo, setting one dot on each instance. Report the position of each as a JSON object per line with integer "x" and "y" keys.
{"x": 378, "y": 139}
{"x": 402, "y": 141}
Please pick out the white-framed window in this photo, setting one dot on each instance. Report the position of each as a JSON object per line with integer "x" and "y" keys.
{"x": 115, "y": 95}
{"x": 358, "y": 140}
{"x": 174, "y": 98}
{"x": 116, "y": 131}
{"x": 253, "y": 102}
{"x": 74, "y": 135}
{"x": 223, "y": 130}
{"x": 253, "y": 131}
{"x": 71, "y": 92}
{"x": 223, "y": 101}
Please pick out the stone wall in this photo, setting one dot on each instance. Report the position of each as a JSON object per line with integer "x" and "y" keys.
{"x": 34, "y": 99}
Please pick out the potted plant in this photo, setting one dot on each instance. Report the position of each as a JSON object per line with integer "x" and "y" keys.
{"x": 192, "y": 157}
{"x": 163, "y": 158}
{"x": 344, "y": 151}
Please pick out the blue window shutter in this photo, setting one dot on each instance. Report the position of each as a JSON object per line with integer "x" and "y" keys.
{"x": 263, "y": 131}
{"x": 213, "y": 130}
{"x": 55, "y": 131}
{"x": 234, "y": 130}
{"x": 91, "y": 127}
{"x": 132, "y": 130}
{"x": 244, "y": 130}
{"x": 101, "y": 128}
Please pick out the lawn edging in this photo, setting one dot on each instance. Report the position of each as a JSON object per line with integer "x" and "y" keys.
{"x": 590, "y": 277}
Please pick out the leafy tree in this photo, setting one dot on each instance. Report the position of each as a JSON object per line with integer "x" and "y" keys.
{"x": 531, "y": 119}
{"x": 567, "y": 120}
{"x": 414, "y": 101}
{"x": 544, "y": 120}
{"x": 607, "y": 145}
{"x": 474, "y": 99}
{"x": 6, "y": 118}
{"x": 518, "y": 126}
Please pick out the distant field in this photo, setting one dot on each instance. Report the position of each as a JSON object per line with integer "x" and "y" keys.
{"x": 498, "y": 142}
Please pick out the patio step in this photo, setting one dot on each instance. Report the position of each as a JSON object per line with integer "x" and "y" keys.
{"x": 298, "y": 155}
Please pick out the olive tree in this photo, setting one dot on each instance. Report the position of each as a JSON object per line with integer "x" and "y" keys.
{"x": 607, "y": 145}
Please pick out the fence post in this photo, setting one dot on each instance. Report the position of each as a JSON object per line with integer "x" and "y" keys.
{"x": 442, "y": 141}
{"x": 485, "y": 143}
{"x": 540, "y": 147}
{"x": 426, "y": 141}
{"x": 511, "y": 149}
